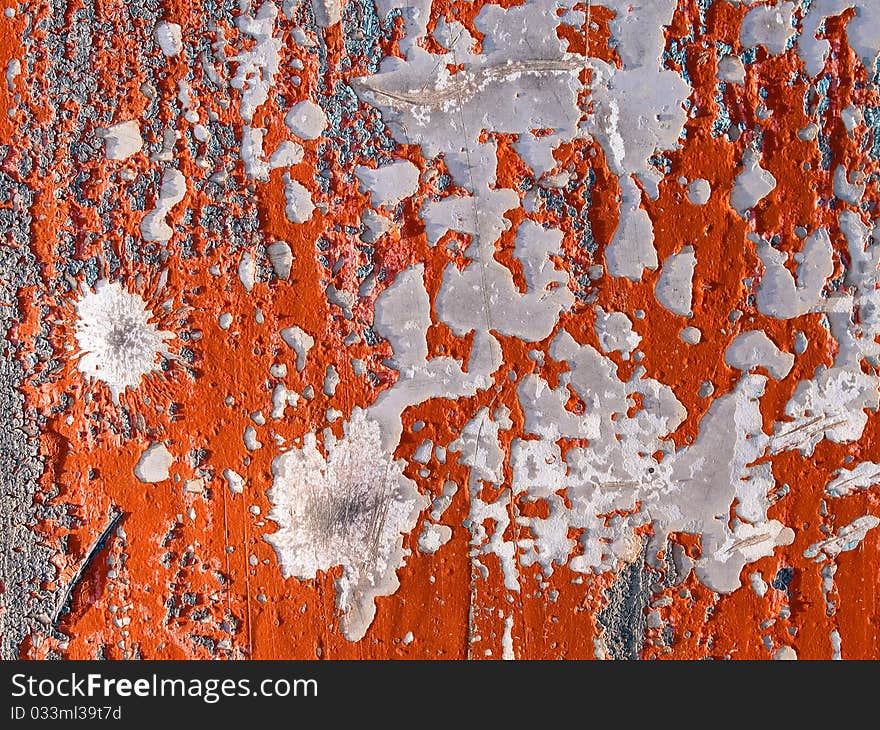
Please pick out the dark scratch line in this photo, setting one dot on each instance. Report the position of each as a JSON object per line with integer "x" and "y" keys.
{"x": 97, "y": 546}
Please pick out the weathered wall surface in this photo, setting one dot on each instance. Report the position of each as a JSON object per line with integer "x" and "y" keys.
{"x": 443, "y": 329}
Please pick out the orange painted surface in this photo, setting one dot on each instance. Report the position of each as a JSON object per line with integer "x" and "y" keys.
{"x": 189, "y": 574}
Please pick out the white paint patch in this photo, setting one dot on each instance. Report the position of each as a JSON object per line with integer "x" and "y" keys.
{"x": 300, "y": 341}
{"x": 759, "y": 585}
{"x": 731, "y": 70}
{"x": 251, "y": 442}
{"x": 252, "y": 153}
{"x": 768, "y": 26}
{"x": 850, "y": 189}
{"x": 350, "y": 509}
{"x": 433, "y": 537}
{"x": 484, "y": 295}
{"x": 779, "y": 294}
{"x": 299, "y": 206}
{"x": 281, "y": 398}
{"x": 752, "y": 185}
{"x": 862, "y": 30}
{"x": 785, "y": 653}
{"x": 691, "y": 335}
{"x": 154, "y": 464}
{"x": 286, "y": 154}
{"x": 852, "y": 117}
{"x": 753, "y": 349}
{"x": 327, "y": 12}
{"x": 247, "y": 271}
{"x": 389, "y": 184}
{"x": 122, "y": 140}
{"x": 487, "y": 522}
{"x": 864, "y": 475}
{"x": 154, "y": 227}
{"x": 836, "y": 643}
{"x": 507, "y": 652}
{"x": 375, "y": 225}
{"x": 403, "y": 315}
{"x": 331, "y": 381}
{"x": 674, "y": 287}
{"x": 615, "y": 333}
{"x": 306, "y": 120}
{"x": 683, "y": 491}
{"x": 258, "y": 65}
{"x": 281, "y": 258}
{"x": 169, "y": 37}
{"x": 699, "y": 191}
{"x": 631, "y": 250}
{"x": 234, "y": 481}
{"x": 119, "y": 343}
{"x": 847, "y": 538}
{"x": 13, "y": 69}
{"x": 832, "y": 405}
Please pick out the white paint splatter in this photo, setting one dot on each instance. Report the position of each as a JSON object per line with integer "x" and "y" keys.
{"x": 118, "y": 341}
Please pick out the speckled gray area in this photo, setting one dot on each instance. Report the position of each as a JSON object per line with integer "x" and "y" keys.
{"x": 25, "y": 605}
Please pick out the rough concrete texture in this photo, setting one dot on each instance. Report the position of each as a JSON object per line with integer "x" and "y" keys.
{"x": 500, "y": 329}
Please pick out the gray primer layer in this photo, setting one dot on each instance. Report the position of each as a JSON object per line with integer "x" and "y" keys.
{"x": 25, "y": 606}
